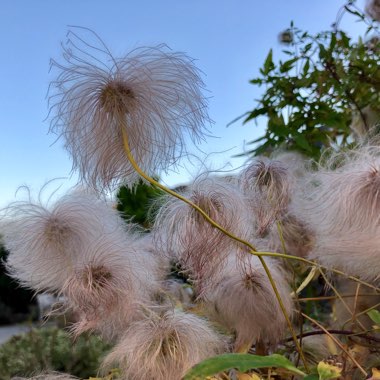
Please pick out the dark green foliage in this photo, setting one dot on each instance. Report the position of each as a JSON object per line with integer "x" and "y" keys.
{"x": 16, "y": 304}
{"x": 311, "y": 98}
{"x": 137, "y": 202}
{"x": 51, "y": 349}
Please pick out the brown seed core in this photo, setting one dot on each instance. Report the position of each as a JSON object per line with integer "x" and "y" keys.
{"x": 115, "y": 97}
{"x": 98, "y": 276}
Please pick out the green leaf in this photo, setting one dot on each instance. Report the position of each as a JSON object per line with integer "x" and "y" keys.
{"x": 242, "y": 362}
{"x": 287, "y": 65}
{"x": 311, "y": 377}
{"x": 307, "y": 48}
{"x": 302, "y": 142}
{"x": 322, "y": 51}
{"x": 306, "y": 67}
{"x": 256, "y": 81}
{"x": 353, "y": 12}
{"x": 375, "y": 316}
{"x": 268, "y": 64}
{"x": 255, "y": 113}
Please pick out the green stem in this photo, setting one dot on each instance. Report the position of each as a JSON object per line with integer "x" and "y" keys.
{"x": 220, "y": 228}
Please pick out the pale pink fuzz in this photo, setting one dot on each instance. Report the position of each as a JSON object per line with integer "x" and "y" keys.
{"x": 267, "y": 183}
{"x": 153, "y": 94}
{"x": 199, "y": 247}
{"x": 290, "y": 232}
{"x": 45, "y": 242}
{"x": 110, "y": 283}
{"x": 243, "y": 301}
{"x": 342, "y": 206}
{"x": 292, "y": 235}
{"x": 82, "y": 249}
{"x": 164, "y": 346}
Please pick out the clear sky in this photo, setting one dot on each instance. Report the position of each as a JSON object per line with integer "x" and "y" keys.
{"x": 229, "y": 39}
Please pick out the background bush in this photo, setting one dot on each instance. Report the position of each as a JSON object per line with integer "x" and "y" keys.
{"x": 51, "y": 349}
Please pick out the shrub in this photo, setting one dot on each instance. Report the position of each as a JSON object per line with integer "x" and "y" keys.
{"x": 50, "y": 349}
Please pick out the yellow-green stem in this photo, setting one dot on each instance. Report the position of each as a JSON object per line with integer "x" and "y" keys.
{"x": 310, "y": 262}
{"x": 220, "y": 228}
{"x": 282, "y": 306}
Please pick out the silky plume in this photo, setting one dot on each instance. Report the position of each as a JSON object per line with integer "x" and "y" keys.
{"x": 153, "y": 95}
{"x": 290, "y": 234}
{"x": 267, "y": 183}
{"x": 243, "y": 301}
{"x": 164, "y": 346}
{"x": 198, "y": 247}
{"x": 83, "y": 250}
{"x": 342, "y": 206}
{"x": 109, "y": 285}
{"x": 46, "y": 241}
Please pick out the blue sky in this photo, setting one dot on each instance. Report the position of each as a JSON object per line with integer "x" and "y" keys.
{"x": 229, "y": 39}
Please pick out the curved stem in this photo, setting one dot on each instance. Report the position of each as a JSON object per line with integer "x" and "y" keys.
{"x": 284, "y": 312}
{"x": 311, "y": 262}
{"x": 220, "y": 228}
{"x": 179, "y": 196}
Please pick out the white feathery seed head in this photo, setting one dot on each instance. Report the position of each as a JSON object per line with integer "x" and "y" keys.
{"x": 342, "y": 206}
{"x": 295, "y": 162}
{"x": 243, "y": 301}
{"x": 45, "y": 241}
{"x": 111, "y": 281}
{"x": 292, "y": 234}
{"x": 153, "y": 94}
{"x": 164, "y": 346}
{"x": 199, "y": 247}
{"x": 268, "y": 184}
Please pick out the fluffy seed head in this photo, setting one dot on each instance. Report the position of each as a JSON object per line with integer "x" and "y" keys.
{"x": 267, "y": 183}
{"x": 45, "y": 242}
{"x": 243, "y": 301}
{"x": 110, "y": 283}
{"x": 164, "y": 347}
{"x": 153, "y": 94}
{"x": 296, "y": 235}
{"x": 199, "y": 247}
{"x": 342, "y": 207}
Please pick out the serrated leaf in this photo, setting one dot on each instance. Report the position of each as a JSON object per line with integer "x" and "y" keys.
{"x": 306, "y": 67}
{"x": 287, "y": 65}
{"x": 353, "y": 12}
{"x": 256, "y": 81}
{"x": 307, "y": 48}
{"x": 268, "y": 64}
{"x": 242, "y": 362}
{"x": 255, "y": 113}
{"x": 322, "y": 52}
